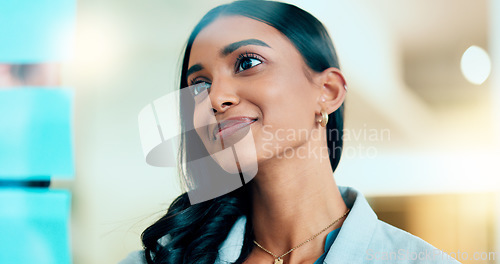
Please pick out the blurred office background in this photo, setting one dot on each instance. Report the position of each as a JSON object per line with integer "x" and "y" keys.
{"x": 423, "y": 139}
{"x": 36, "y": 133}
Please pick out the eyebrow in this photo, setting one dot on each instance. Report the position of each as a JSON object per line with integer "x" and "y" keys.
{"x": 236, "y": 45}
{"x": 193, "y": 69}
{"x": 228, "y": 50}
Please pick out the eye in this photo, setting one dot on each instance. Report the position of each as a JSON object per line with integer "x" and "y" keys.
{"x": 198, "y": 88}
{"x": 247, "y": 61}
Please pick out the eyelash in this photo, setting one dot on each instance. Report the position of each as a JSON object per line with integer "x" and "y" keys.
{"x": 246, "y": 55}
{"x": 195, "y": 81}
{"x": 240, "y": 58}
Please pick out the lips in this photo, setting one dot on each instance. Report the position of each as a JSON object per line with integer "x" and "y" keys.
{"x": 229, "y": 126}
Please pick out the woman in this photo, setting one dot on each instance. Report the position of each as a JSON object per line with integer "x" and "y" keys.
{"x": 269, "y": 69}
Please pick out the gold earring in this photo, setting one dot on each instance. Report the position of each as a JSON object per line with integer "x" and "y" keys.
{"x": 324, "y": 118}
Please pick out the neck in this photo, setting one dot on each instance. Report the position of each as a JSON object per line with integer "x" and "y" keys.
{"x": 293, "y": 199}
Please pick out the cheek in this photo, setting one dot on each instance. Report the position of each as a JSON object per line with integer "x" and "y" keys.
{"x": 202, "y": 120}
{"x": 286, "y": 102}
{"x": 286, "y": 86}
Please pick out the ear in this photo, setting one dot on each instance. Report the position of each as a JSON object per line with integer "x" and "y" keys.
{"x": 333, "y": 90}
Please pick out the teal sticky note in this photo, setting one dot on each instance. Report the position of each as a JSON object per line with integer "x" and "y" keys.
{"x": 36, "y": 133}
{"x": 34, "y": 31}
{"x": 34, "y": 226}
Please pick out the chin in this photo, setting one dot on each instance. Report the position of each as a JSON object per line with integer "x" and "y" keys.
{"x": 239, "y": 157}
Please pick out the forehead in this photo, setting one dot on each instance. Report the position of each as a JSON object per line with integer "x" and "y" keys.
{"x": 229, "y": 29}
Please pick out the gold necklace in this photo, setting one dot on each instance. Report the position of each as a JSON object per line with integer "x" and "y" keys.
{"x": 279, "y": 259}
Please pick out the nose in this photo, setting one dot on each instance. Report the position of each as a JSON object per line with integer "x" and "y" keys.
{"x": 222, "y": 96}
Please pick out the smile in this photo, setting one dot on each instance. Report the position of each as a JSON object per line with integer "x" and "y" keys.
{"x": 229, "y": 126}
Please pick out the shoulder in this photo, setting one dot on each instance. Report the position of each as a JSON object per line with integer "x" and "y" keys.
{"x": 390, "y": 244}
{"x": 230, "y": 249}
{"x": 365, "y": 239}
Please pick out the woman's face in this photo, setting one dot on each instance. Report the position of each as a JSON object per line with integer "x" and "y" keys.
{"x": 259, "y": 84}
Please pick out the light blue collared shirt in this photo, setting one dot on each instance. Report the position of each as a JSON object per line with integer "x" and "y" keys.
{"x": 362, "y": 239}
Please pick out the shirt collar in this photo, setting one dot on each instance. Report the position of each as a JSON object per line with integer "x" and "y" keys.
{"x": 357, "y": 230}
{"x": 350, "y": 244}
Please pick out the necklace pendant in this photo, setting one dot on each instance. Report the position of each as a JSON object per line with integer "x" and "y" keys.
{"x": 278, "y": 261}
